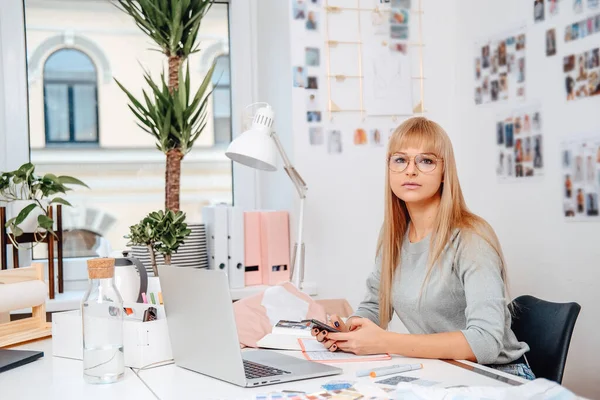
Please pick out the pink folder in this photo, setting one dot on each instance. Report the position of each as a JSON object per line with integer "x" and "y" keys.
{"x": 252, "y": 248}
{"x": 275, "y": 247}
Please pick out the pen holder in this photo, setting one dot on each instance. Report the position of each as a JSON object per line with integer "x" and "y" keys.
{"x": 144, "y": 343}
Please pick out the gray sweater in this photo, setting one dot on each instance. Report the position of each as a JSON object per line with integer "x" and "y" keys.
{"x": 465, "y": 293}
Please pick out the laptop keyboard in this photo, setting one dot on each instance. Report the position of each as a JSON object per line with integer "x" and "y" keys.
{"x": 254, "y": 370}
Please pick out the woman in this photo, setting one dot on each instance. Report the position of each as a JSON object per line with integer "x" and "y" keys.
{"x": 439, "y": 267}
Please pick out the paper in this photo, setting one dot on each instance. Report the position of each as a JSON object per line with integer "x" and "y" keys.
{"x": 283, "y": 305}
{"x": 540, "y": 389}
{"x": 315, "y": 351}
{"x": 388, "y": 89}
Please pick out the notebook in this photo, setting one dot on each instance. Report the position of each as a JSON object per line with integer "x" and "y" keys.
{"x": 313, "y": 350}
{"x": 10, "y": 359}
{"x": 285, "y": 335}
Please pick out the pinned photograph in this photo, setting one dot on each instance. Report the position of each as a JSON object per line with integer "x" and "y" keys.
{"x": 592, "y": 204}
{"x": 313, "y": 116}
{"x": 521, "y": 42}
{"x": 311, "y": 21}
{"x": 537, "y": 121}
{"x": 312, "y": 102}
{"x": 375, "y": 137}
{"x": 583, "y": 30}
{"x": 312, "y": 57}
{"x": 334, "y": 142}
{"x": 500, "y": 133}
{"x": 553, "y": 7}
{"x": 574, "y": 31}
{"x": 478, "y": 68}
{"x": 521, "y": 72}
{"x": 399, "y": 32}
{"x": 495, "y": 89}
{"x": 509, "y": 134}
{"x": 299, "y": 9}
{"x": 550, "y": 42}
{"x": 538, "y": 161}
{"x": 299, "y": 76}
{"x": 311, "y": 82}
{"x": 401, "y": 4}
{"x": 568, "y": 33}
{"x": 578, "y": 6}
{"x": 581, "y": 68}
{"x": 569, "y": 63}
{"x": 538, "y": 10}
{"x": 502, "y": 53}
{"x": 399, "y": 16}
{"x": 315, "y": 135}
{"x": 485, "y": 56}
{"x": 478, "y": 96}
{"x": 593, "y": 4}
{"x": 570, "y": 87}
{"x": 399, "y": 47}
{"x": 594, "y": 83}
{"x": 360, "y": 137}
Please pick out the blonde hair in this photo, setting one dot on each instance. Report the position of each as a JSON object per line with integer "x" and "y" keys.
{"x": 420, "y": 132}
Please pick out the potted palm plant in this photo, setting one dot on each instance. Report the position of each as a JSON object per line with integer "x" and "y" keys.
{"x": 169, "y": 111}
{"x": 29, "y": 196}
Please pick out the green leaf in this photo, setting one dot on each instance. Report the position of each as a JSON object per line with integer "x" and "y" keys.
{"x": 45, "y": 222}
{"x": 24, "y": 213}
{"x": 60, "y": 201}
{"x": 71, "y": 181}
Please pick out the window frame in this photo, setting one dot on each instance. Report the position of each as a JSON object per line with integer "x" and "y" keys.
{"x": 70, "y": 84}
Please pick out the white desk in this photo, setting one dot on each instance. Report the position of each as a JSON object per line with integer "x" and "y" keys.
{"x": 57, "y": 378}
{"x": 172, "y": 382}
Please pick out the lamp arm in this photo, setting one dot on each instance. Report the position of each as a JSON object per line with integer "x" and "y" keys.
{"x": 289, "y": 168}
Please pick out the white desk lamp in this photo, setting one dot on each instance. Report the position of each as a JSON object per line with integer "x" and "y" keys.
{"x": 257, "y": 148}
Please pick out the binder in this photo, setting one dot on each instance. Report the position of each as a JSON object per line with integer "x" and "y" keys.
{"x": 275, "y": 247}
{"x": 236, "y": 270}
{"x": 215, "y": 219}
{"x": 252, "y": 249}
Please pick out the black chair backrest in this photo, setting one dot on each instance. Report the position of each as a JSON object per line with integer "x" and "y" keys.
{"x": 547, "y": 328}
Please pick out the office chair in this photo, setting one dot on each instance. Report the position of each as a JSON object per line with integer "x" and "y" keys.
{"x": 547, "y": 328}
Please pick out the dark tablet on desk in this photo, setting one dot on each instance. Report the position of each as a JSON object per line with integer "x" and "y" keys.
{"x": 10, "y": 359}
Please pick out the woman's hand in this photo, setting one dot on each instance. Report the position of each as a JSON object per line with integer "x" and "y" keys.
{"x": 335, "y": 322}
{"x": 363, "y": 337}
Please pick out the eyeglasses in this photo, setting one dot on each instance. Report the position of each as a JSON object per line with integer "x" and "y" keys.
{"x": 425, "y": 163}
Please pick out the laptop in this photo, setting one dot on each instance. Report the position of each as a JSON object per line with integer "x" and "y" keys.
{"x": 204, "y": 337}
{"x": 10, "y": 359}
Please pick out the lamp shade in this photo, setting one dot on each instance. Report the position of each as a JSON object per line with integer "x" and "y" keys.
{"x": 255, "y": 148}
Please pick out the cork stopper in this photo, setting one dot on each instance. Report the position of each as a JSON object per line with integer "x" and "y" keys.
{"x": 101, "y": 268}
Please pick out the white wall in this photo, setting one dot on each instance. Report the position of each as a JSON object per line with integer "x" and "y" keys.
{"x": 546, "y": 256}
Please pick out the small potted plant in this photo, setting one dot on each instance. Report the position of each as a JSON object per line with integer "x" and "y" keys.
{"x": 29, "y": 196}
{"x": 162, "y": 232}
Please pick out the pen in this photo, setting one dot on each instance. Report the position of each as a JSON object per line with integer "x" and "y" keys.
{"x": 160, "y": 300}
{"x": 392, "y": 369}
{"x": 152, "y": 298}
{"x": 144, "y": 298}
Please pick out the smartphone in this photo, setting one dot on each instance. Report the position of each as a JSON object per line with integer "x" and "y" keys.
{"x": 318, "y": 324}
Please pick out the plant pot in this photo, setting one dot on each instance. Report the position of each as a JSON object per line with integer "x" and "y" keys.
{"x": 30, "y": 224}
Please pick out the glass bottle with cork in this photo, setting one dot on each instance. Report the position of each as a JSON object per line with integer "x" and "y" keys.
{"x": 102, "y": 319}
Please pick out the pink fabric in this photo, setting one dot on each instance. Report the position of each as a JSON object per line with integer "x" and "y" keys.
{"x": 252, "y": 320}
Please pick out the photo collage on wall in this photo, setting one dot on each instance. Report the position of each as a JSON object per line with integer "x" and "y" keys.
{"x": 519, "y": 141}
{"x": 543, "y": 9}
{"x": 581, "y": 178}
{"x": 582, "y": 74}
{"x": 582, "y": 29}
{"x": 307, "y": 14}
{"x": 500, "y": 69}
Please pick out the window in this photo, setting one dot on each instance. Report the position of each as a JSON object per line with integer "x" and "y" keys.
{"x": 222, "y": 100}
{"x": 70, "y": 98}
